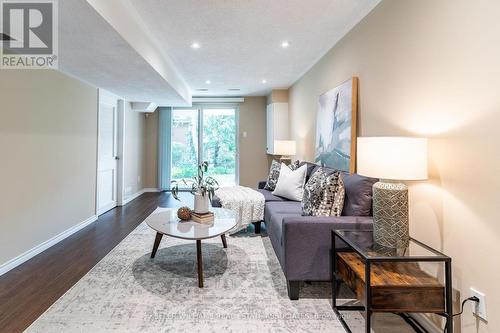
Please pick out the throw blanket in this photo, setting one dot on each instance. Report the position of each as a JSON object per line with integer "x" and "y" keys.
{"x": 247, "y": 203}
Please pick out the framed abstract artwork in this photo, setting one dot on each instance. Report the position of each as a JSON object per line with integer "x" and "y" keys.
{"x": 336, "y": 127}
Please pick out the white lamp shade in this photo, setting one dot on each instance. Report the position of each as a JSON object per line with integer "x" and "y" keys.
{"x": 285, "y": 147}
{"x": 397, "y": 158}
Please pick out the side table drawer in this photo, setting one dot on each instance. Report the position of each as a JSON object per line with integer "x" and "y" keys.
{"x": 395, "y": 286}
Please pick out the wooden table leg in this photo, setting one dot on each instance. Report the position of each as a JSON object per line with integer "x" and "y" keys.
{"x": 224, "y": 243}
{"x": 157, "y": 243}
{"x": 200, "y": 263}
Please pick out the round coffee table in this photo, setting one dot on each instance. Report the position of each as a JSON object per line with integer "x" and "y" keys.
{"x": 165, "y": 222}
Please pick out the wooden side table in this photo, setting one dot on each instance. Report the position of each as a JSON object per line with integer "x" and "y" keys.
{"x": 388, "y": 280}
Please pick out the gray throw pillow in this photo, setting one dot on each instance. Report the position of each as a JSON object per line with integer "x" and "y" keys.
{"x": 358, "y": 195}
{"x": 323, "y": 194}
{"x": 274, "y": 174}
{"x": 311, "y": 168}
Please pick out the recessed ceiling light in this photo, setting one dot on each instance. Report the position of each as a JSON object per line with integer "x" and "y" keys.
{"x": 264, "y": 81}
{"x": 285, "y": 44}
{"x": 195, "y": 45}
{"x": 208, "y": 82}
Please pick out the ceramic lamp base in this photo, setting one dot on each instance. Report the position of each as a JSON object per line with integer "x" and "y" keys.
{"x": 286, "y": 159}
{"x": 390, "y": 215}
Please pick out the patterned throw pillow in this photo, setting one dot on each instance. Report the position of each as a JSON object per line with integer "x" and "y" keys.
{"x": 323, "y": 194}
{"x": 274, "y": 173}
{"x": 294, "y": 165}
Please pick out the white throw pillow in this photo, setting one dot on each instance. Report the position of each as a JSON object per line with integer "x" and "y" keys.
{"x": 290, "y": 183}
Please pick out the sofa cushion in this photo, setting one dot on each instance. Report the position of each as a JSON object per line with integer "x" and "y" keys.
{"x": 306, "y": 243}
{"x": 283, "y": 207}
{"x": 358, "y": 195}
{"x": 274, "y": 214}
{"x": 323, "y": 194}
{"x": 269, "y": 196}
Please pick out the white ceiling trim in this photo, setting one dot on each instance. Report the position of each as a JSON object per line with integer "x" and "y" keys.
{"x": 123, "y": 18}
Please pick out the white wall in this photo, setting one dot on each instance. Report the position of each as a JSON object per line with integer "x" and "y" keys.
{"x": 430, "y": 68}
{"x": 48, "y": 149}
{"x": 253, "y": 158}
{"x": 134, "y": 157}
{"x": 151, "y": 171}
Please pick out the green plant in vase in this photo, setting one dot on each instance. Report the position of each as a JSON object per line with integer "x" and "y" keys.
{"x": 202, "y": 187}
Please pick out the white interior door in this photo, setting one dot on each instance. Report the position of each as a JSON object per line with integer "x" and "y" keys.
{"x": 107, "y": 156}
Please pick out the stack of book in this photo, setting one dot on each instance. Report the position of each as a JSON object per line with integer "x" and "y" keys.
{"x": 206, "y": 218}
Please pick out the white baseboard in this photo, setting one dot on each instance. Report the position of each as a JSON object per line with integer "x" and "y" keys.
{"x": 132, "y": 197}
{"x": 5, "y": 267}
{"x": 137, "y": 194}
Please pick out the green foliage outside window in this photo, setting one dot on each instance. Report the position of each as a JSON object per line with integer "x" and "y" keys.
{"x": 219, "y": 148}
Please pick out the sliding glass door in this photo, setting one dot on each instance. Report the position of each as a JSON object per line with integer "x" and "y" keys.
{"x": 184, "y": 141}
{"x": 205, "y": 133}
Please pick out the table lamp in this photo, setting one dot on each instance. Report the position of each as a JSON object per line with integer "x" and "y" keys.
{"x": 285, "y": 148}
{"x": 391, "y": 159}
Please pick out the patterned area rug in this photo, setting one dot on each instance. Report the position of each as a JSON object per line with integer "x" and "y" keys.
{"x": 245, "y": 291}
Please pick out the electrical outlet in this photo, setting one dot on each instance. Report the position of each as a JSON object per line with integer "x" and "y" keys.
{"x": 479, "y": 309}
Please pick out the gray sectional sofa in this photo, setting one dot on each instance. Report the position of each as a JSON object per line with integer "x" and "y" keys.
{"x": 302, "y": 243}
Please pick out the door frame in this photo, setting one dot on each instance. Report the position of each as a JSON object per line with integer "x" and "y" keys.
{"x": 105, "y": 97}
{"x": 200, "y": 107}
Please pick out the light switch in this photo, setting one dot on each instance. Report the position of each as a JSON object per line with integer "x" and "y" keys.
{"x": 244, "y": 134}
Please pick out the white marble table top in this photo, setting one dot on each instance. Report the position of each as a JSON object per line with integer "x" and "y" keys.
{"x": 165, "y": 221}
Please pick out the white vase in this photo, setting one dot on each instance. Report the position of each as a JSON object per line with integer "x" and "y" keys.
{"x": 200, "y": 203}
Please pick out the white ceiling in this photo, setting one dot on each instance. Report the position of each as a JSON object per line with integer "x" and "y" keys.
{"x": 240, "y": 40}
{"x": 141, "y": 49}
{"x": 93, "y": 51}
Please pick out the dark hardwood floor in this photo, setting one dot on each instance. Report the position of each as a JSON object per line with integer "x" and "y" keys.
{"x": 29, "y": 289}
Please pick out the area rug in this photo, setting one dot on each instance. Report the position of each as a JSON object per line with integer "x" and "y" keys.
{"x": 245, "y": 291}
